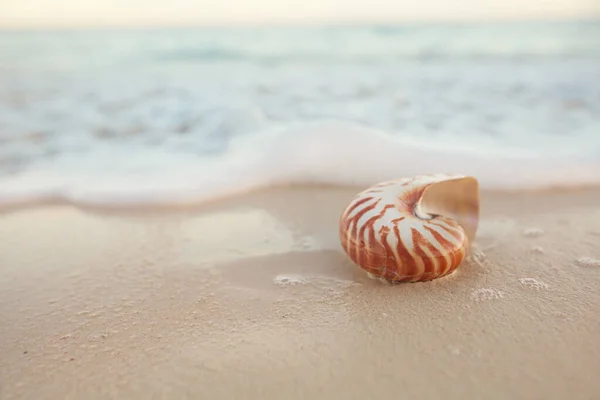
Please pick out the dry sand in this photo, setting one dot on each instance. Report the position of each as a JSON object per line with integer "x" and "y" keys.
{"x": 254, "y": 299}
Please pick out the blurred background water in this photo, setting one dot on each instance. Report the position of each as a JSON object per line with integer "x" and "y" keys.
{"x": 191, "y": 91}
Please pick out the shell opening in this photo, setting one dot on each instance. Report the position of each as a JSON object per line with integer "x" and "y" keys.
{"x": 421, "y": 214}
{"x": 456, "y": 198}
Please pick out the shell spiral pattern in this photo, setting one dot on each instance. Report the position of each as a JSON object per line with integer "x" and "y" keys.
{"x": 412, "y": 229}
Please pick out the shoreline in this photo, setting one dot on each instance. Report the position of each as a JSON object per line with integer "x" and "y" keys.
{"x": 225, "y": 200}
{"x": 253, "y": 297}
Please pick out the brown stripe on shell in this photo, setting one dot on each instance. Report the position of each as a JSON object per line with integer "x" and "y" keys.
{"x": 408, "y": 265}
{"x": 357, "y": 203}
{"x": 354, "y": 239}
{"x": 456, "y": 234}
{"x": 390, "y": 264}
{"x": 373, "y": 250}
{"x": 429, "y": 261}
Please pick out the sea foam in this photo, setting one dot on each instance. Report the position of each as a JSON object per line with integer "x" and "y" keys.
{"x": 334, "y": 153}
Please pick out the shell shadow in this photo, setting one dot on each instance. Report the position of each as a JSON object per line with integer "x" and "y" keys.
{"x": 261, "y": 272}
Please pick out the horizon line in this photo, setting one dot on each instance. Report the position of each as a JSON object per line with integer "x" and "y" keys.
{"x": 300, "y": 23}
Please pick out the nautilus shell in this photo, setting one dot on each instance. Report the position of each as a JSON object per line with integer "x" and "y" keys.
{"x": 412, "y": 229}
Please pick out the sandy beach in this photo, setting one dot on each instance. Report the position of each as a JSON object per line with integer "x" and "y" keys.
{"x": 253, "y": 298}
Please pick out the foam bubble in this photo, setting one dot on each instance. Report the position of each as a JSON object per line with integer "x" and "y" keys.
{"x": 477, "y": 256}
{"x": 588, "y": 262}
{"x": 292, "y": 279}
{"x": 533, "y": 232}
{"x": 485, "y": 294}
{"x": 537, "y": 250}
{"x": 455, "y": 350}
{"x": 289, "y": 280}
{"x": 324, "y": 153}
{"x": 533, "y": 283}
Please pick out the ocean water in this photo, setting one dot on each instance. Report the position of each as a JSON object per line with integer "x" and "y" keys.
{"x": 110, "y": 117}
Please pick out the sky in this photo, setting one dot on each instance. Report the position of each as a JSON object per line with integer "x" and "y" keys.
{"x": 132, "y": 13}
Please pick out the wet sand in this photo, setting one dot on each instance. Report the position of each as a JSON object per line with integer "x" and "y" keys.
{"x": 252, "y": 298}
